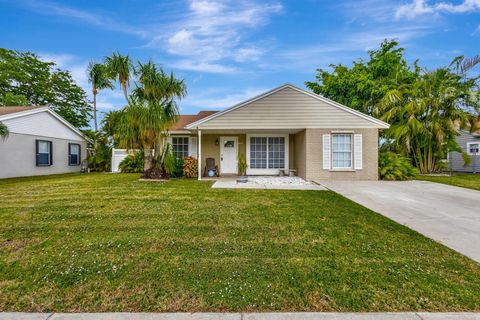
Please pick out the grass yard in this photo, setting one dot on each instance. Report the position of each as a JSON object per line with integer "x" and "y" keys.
{"x": 471, "y": 181}
{"x": 103, "y": 242}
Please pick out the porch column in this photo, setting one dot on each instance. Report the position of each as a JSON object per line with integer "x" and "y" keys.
{"x": 199, "y": 154}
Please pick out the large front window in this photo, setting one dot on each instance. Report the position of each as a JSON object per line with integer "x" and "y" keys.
{"x": 180, "y": 147}
{"x": 342, "y": 151}
{"x": 267, "y": 152}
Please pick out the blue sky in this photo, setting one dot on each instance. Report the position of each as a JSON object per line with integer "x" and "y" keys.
{"x": 228, "y": 51}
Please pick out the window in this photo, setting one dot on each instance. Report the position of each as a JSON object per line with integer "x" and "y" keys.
{"x": 44, "y": 153}
{"x": 180, "y": 147}
{"x": 267, "y": 152}
{"x": 342, "y": 151}
{"x": 73, "y": 154}
{"x": 473, "y": 148}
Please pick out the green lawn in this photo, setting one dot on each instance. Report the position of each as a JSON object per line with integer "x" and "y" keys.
{"x": 471, "y": 181}
{"x": 103, "y": 242}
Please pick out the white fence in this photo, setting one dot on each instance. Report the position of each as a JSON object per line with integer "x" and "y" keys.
{"x": 117, "y": 156}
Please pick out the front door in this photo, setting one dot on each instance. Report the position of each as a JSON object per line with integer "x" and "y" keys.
{"x": 228, "y": 155}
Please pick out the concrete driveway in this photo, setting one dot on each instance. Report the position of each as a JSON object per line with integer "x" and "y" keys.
{"x": 447, "y": 214}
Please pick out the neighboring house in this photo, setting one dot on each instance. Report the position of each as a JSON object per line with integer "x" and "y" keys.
{"x": 40, "y": 142}
{"x": 285, "y": 128}
{"x": 470, "y": 144}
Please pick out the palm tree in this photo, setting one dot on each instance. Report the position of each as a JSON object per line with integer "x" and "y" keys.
{"x": 423, "y": 116}
{"x": 98, "y": 77}
{"x": 151, "y": 110}
{"x": 3, "y": 130}
{"x": 120, "y": 68}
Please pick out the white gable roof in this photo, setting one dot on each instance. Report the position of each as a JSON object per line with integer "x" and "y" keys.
{"x": 287, "y": 107}
{"x": 41, "y": 122}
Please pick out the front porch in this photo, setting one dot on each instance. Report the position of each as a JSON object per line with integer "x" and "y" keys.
{"x": 266, "y": 153}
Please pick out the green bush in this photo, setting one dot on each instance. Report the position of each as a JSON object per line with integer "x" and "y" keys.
{"x": 133, "y": 163}
{"x": 178, "y": 172}
{"x": 392, "y": 166}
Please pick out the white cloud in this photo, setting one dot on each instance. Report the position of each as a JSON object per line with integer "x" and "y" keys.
{"x": 207, "y": 67}
{"x": 211, "y": 32}
{"x": 421, "y": 7}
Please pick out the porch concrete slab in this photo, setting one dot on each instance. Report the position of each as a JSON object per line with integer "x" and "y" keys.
{"x": 232, "y": 184}
{"x": 444, "y": 213}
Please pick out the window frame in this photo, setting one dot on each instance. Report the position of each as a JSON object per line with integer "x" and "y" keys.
{"x": 79, "y": 160}
{"x": 468, "y": 148}
{"x": 333, "y": 167}
{"x": 37, "y": 153}
{"x": 188, "y": 146}
{"x": 267, "y": 170}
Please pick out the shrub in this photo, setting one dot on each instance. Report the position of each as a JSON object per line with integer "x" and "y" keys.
{"x": 190, "y": 167}
{"x": 178, "y": 172}
{"x": 392, "y": 166}
{"x": 133, "y": 163}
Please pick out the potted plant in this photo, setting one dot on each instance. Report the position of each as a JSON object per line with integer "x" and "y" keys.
{"x": 242, "y": 168}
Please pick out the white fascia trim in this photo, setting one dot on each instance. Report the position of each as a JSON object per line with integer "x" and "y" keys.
{"x": 380, "y": 123}
{"x": 44, "y": 109}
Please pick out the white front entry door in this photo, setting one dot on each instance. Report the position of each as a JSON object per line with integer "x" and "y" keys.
{"x": 228, "y": 154}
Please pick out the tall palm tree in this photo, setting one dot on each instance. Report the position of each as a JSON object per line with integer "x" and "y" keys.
{"x": 120, "y": 68}
{"x": 3, "y": 130}
{"x": 150, "y": 112}
{"x": 98, "y": 77}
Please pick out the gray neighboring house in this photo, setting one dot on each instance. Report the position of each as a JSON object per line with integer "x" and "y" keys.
{"x": 40, "y": 142}
{"x": 470, "y": 143}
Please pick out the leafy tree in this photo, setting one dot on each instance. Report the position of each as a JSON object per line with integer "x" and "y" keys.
{"x": 98, "y": 77}
{"x": 42, "y": 83}
{"x": 10, "y": 99}
{"x": 121, "y": 68}
{"x": 366, "y": 82}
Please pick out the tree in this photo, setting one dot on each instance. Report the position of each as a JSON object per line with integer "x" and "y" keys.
{"x": 150, "y": 112}
{"x": 10, "y": 99}
{"x": 366, "y": 82}
{"x": 424, "y": 116}
{"x": 120, "y": 68}
{"x": 42, "y": 83}
{"x": 98, "y": 77}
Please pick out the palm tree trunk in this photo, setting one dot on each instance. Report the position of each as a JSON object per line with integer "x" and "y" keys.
{"x": 148, "y": 160}
{"x": 95, "y": 111}
{"x": 124, "y": 87}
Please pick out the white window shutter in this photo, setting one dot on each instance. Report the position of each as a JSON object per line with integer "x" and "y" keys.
{"x": 192, "y": 150}
{"x": 357, "y": 147}
{"x": 327, "y": 150}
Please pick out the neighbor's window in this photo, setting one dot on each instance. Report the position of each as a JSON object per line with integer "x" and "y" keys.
{"x": 44, "y": 153}
{"x": 267, "y": 152}
{"x": 73, "y": 154}
{"x": 473, "y": 148}
{"x": 342, "y": 151}
{"x": 180, "y": 147}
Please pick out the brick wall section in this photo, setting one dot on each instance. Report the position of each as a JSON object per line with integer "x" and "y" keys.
{"x": 309, "y": 156}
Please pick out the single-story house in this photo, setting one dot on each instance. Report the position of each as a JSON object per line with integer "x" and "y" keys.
{"x": 470, "y": 144}
{"x": 40, "y": 142}
{"x": 286, "y": 128}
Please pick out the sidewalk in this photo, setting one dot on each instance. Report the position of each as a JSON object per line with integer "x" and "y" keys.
{"x": 244, "y": 316}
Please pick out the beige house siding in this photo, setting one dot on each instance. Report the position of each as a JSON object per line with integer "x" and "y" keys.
{"x": 300, "y": 154}
{"x": 288, "y": 109}
{"x": 312, "y": 140}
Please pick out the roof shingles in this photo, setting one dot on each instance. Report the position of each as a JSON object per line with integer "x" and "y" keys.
{"x": 186, "y": 119}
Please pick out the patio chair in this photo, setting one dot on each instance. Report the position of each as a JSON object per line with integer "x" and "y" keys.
{"x": 210, "y": 165}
